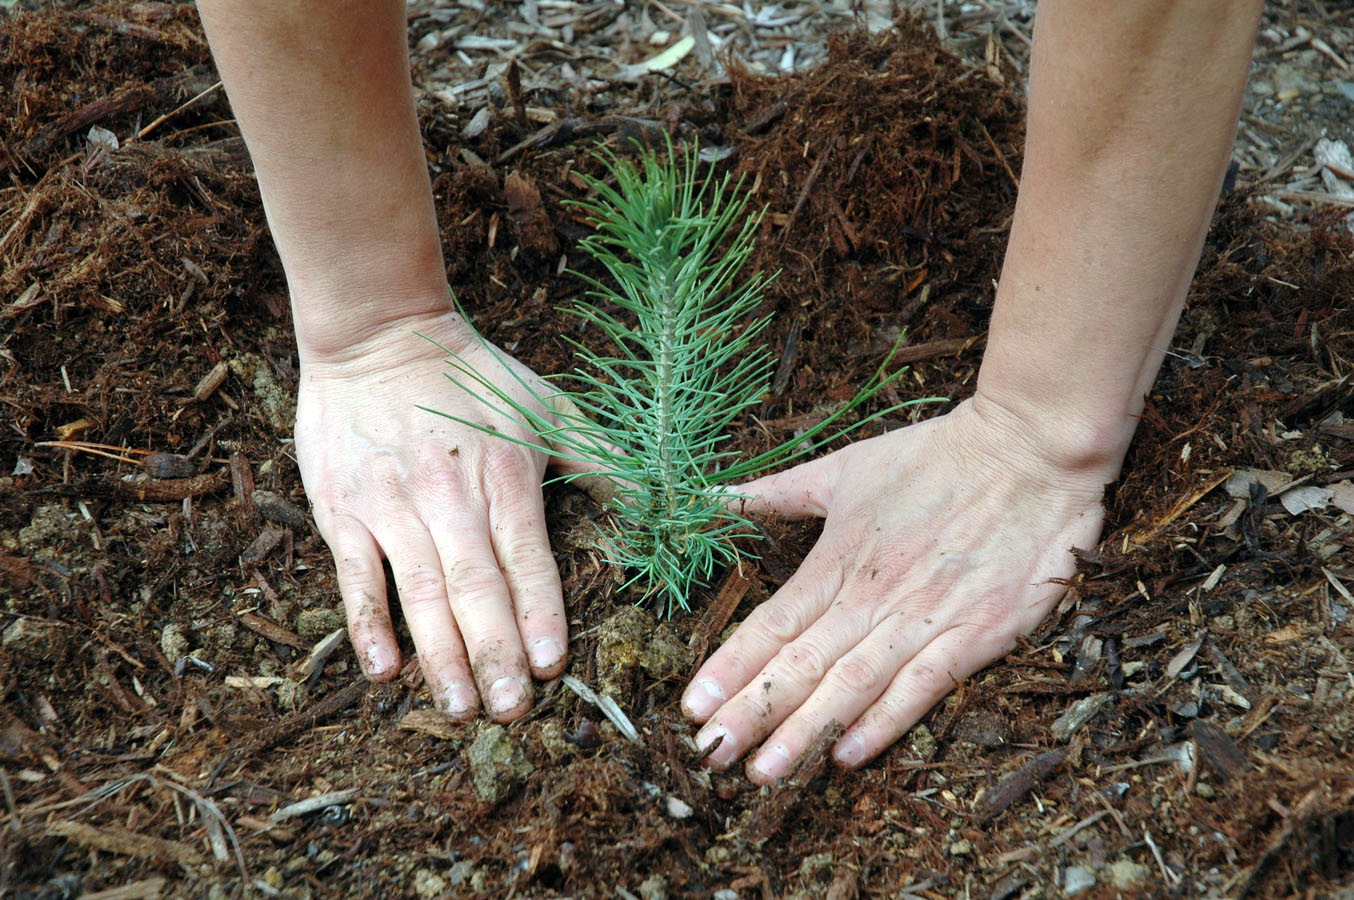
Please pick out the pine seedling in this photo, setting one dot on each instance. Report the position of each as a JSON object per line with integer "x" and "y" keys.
{"x": 683, "y": 365}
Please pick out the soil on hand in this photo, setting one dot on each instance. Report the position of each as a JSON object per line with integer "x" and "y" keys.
{"x": 1182, "y": 726}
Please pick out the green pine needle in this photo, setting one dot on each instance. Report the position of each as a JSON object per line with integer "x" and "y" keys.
{"x": 653, "y": 413}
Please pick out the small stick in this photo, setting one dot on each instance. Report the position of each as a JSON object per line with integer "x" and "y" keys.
{"x": 1001, "y": 157}
{"x": 141, "y": 135}
{"x": 1166, "y": 873}
{"x": 804, "y": 193}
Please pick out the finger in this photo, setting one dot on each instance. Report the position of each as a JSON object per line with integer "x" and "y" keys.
{"x": 423, "y": 597}
{"x": 849, "y": 686}
{"x": 780, "y": 688}
{"x": 767, "y": 629}
{"x": 522, "y": 547}
{"x": 938, "y": 669}
{"x": 803, "y": 491}
{"x": 362, "y": 585}
{"x": 482, "y": 606}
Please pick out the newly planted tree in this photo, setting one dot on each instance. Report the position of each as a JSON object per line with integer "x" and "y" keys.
{"x": 651, "y": 412}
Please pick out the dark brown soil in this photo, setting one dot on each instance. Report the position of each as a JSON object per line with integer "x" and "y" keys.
{"x": 1205, "y": 628}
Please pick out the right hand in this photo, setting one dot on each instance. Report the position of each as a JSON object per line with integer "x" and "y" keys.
{"x": 458, "y": 514}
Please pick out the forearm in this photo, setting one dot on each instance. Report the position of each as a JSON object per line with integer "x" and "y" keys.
{"x": 1133, "y": 108}
{"x": 322, "y": 93}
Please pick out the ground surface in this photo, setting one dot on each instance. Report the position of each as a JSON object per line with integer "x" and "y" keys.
{"x": 1183, "y": 727}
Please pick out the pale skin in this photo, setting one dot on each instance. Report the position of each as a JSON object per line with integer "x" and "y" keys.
{"x": 941, "y": 541}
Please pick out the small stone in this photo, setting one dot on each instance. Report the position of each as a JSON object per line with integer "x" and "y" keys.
{"x": 724, "y": 894}
{"x": 1125, "y": 874}
{"x": 174, "y": 643}
{"x": 498, "y": 764}
{"x": 218, "y": 892}
{"x": 313, "y": 624}
{"x": 552, "y": 739}
{"x": 273, "y": 877}
{"x": 665, "y": 654}
{"x": 678, "y": 808}
{"x": 292, "y": 695}
{"x": 622, "y": 641}
{"x": 427, "y": 884}
{"x": 816, "y": 867}
{"x": 921, "y": 741}
{"x": 961, "y": 848}
{"x": 718, "y": 855}
{"x": 654, "y": 888}
{"x": 37, "y": 639}
{"x": 460, "y": 873}
{"x": 1077, "y": 880}
{"x": 1205, "y": 790}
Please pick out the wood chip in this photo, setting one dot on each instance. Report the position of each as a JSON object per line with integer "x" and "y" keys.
{"x": 122, "y": 842}
{"x": 432, "y": 723}
{"x": 147, "y": 889}
{"x": 1019, "y": 783}
{"x": 211, "y": 381}
{"x": 314, "y": 805}
{"x": 278, "y": 509}
{"x": 1077, "y": 715}
{"x": 1218, "y": 750}
{"x": 767, "y": 818}
{"x": 145, "y": 489}
{"x": 271, "y": 630}
{"x": 319, "y": 654}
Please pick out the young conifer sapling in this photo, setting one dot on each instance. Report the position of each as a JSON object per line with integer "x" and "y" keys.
{"x": 651, "y": 413}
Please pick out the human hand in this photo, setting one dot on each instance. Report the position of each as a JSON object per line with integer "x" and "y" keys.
{"x": 940, "y": 546}
{"x": 458, "y": 514}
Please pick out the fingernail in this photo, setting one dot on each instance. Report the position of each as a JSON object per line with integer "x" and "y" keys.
{"x": 458, "y": 699}
{"x": 506, "y": 694}
{"x": 722, "y": 755}
{"x": 703, "y": 698}
{"x": 379, "y": 660}
{"x": 545, "y": 653}
{"x": 773, "y": 762}
{"x": 850, "y": 750}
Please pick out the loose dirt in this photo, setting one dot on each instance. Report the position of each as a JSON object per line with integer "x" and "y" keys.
{"x": 1182, "y": 727}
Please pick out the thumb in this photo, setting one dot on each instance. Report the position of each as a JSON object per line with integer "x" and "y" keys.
{"x": 799, "y": 492}
{"x": 588, "y": 474}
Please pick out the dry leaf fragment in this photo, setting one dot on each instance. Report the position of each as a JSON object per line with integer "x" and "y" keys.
{"x": 1308, "y": 497}
{"x": 1182, "y": 659}
{"x": 1238, "y": 484}
{"x": 1289, "y": 633}
{"x": 1342, "y": 495}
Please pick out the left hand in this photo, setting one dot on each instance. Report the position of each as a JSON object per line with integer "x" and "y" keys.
{"x": 941, "y": 544}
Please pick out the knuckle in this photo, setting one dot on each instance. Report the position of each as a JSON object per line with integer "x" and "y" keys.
{"x": 804, "y": 662}
{"x": 780, "y": 621}
{"x": 474, "y": 579}
{"x": 421, "y": 586}
{"x": 858, "y": 670}
{"x": 354, "y": 572}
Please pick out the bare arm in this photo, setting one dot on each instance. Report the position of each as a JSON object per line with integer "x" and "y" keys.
{"x": 322, "y": 92}
{"x": 1133, "y": 108}
{"x": 943, "y": 541}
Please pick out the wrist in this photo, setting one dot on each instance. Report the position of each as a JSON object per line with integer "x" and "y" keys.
{"x": 1063, "y": 436}
{"x": 340, "y": 309}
